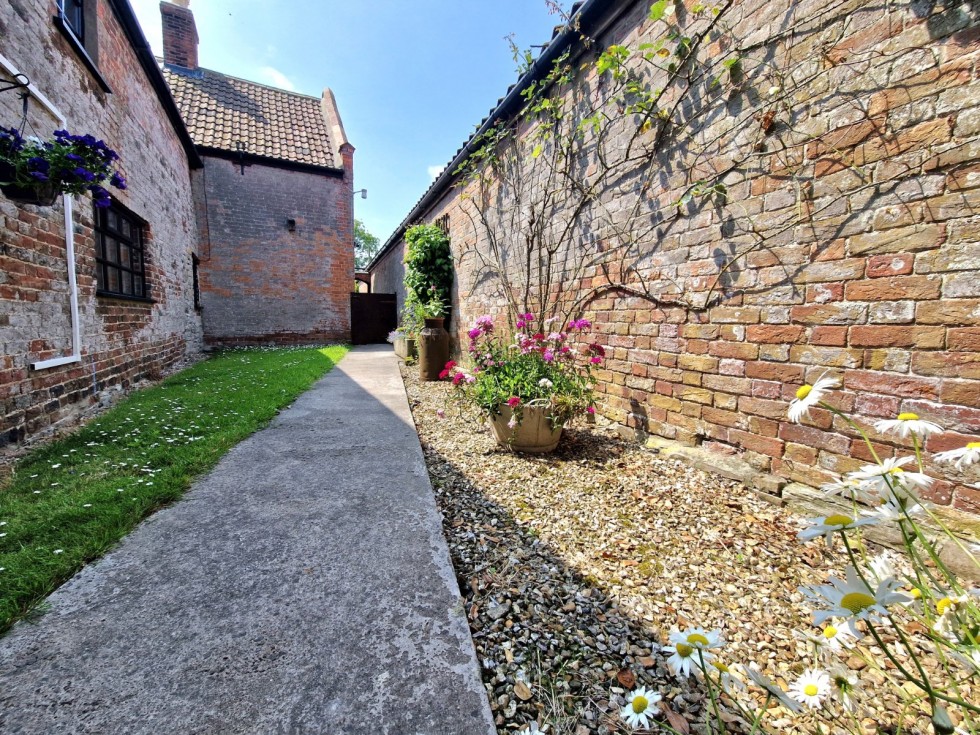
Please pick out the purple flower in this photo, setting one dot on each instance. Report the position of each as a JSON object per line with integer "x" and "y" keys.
{"x": 524, "y": 320}
{"x": 475, "y": 333}
{"x": 100, "y": 196}
{"x": 548, "y": 356}
{"x": 589, "y": 409}
{"x": 485, "y": 323}
{"x": 84, "y": 173}
{"x": 579, "y": 324}
{"x": 118, "y": 180}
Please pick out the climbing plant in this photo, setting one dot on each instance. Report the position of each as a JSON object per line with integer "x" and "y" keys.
{"x": 428, "y": 264}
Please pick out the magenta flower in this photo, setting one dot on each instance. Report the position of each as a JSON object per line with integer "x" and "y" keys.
{"x": 475, "y": 332}
{"x": 513, "y": 401}
{"x": 579, "y": 324}
{"x": 595, "y": 360}
{"x": 548, "y": 356}
{"x": 589, "y": 409}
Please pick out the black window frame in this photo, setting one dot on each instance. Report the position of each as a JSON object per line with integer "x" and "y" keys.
{"x": 110, "y": 238}
{"x": 73, "y": 14}
{"x": 76, "y": 19}
{"x": 195, "y": 280}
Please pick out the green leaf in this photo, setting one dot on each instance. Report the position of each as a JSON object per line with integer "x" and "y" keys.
{"x": 658, "y": 9}
{"x": 537, "y": 151}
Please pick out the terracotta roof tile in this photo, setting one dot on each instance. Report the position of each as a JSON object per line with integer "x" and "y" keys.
{"x": 220, "y": 110}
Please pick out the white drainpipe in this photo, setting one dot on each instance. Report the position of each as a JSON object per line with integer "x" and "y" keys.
{"x": 76, "y": 329}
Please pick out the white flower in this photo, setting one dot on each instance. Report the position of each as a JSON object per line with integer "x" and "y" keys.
{"x": 848, "y": 487}
{"x": 773, "y": 91}
{"x": 853, "y": 598}
{"x": 545, "y": 383}
{"x": 887, "y": 478}
{"x": 829, "y": 525}
{"x": 639, "y": 709}
{"x": 908, "y": 423}
{"x": 763, "y": 681}
{"x": 59, "y": 551}
{"x": 881, "y": 567}
{"x": 728, "y": 681}
{"x": 531, "y": 729}
{"x": 512, "y": 424}
{"x": 895, "y": 510}
{"x": 948, "y": 623}
{"x": 969, "y": 454}
{"x": 812, "y": 686}
{"x": 836, "y": 636}
{"x": 846, "y": 686}
{"x": 691, "y": 647}
{"x": 808, "y": 396}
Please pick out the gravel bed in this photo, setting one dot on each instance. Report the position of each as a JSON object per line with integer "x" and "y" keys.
{"x": 575, "y": 566}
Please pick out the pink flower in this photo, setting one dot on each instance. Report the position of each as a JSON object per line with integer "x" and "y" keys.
{"x": 485, "y": 323}
{"x": 524, "y": 319}
{"x": 513, "y": 401}
{"x": 579, "y": 324}
{"x": 470, "y": 379}
{"x": 475, "y": 332}
{"x": 458, "y": 378}
{"x": 440, "y": 413}
{"x": 589, "y": 409}
{"x": 595, "y": 360}
{"x": 513, "y": 422}
{"x": 548, "y": 356}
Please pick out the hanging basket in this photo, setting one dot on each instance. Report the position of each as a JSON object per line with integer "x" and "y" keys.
{"x": 42, "y": 194}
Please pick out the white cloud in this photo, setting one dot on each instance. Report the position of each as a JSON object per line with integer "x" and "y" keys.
{"x": 271, "y": 75}
{"x": 434, "y": 171}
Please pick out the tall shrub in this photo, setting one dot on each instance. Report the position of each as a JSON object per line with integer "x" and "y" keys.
{"x": 428, "y": 263}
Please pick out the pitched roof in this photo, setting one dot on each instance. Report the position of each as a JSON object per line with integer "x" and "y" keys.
{"x": 220, "y": 110}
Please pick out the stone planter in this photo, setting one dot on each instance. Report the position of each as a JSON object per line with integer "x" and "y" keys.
{"x": 533, "y": 435}
{"x": 43, "y": 194}
{"x": 405, "y": 348}
{"x": 433, "y": 345}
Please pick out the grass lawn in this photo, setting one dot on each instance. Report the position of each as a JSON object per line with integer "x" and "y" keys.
{"x": 68, "y": 502}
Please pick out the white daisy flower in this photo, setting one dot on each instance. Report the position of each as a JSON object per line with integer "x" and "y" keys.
{"x": 970, "y": 454}
{"x": 948, "y": 623}
{"x": 808, "y": 396}
{"x": 853, "y": 598}
{"x": 888, "y": 478}
{"x": 826, "y": 526}
{"x": 812, "y": 686}
{"x": 640, "y": 707}
{"x": 691, "y": 648}
{"x": 836, "y": 636}
{"x": 847, "y": 487}
{"x": 846, "y": 686}
{"x": 545, "y": 383}
{"x": 906, "y": 424}
{"x": 893, "y": 510}
{"x": 881, "y": 567}
{"x": 761, "y": 680}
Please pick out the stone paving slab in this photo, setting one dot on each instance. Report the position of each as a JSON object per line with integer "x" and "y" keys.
{"x": 303, "y": 586}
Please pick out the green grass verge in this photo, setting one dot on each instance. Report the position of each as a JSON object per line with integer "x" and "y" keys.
{"x": 68, "y": 502}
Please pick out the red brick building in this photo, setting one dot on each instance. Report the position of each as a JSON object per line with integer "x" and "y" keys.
{"x": 274, "y": 200}
{"x": 92, "y": 301}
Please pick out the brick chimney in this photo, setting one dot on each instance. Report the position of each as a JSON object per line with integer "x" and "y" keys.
{"x": 179, "y": 35}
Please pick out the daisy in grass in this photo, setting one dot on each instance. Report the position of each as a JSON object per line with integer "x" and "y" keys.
{"x": 810, "y": 689}
{"x": 846, "y": 686}
{"x": 827, "y": 526}
{"x": 970, "y": 454}
{"x": 808, "y": 396}
{"x": 691, "y": 647}
{"x": 764, "y": 682}
{"x": 853, "y": 598}
{"x": 847, "y": 487}
{"x": 907, "y": 424}
{"x": 641, "y": 706}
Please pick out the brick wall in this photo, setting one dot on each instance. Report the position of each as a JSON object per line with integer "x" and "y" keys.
{"x": 261, "y": 283}
{"x": 849, "y": 239}
{"x": 121, "y": 341}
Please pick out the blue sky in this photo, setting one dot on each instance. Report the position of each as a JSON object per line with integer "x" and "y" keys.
{"x": 412, "y": 77}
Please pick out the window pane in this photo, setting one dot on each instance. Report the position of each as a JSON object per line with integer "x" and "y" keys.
{"x": 137, "y": 286}
{"x": 125, "y": 228}
{"x": 99, "y": 277}
{"x": 111, "y": 254}
{"x": 112, "y": 220}
{"x": 127, "y": 283}
{"x": 99, "y": 247}
{"x": 112, "y": 283}
{"x": 124, "y": 256}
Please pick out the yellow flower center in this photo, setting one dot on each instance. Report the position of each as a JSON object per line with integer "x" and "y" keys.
{"x": 916, "y": 593}
{"x": 720, "y": 666}
{"x": 943, "y": 605}
{"x": 640, "y": 704}
{"x": 973, "y": 445}
{"x": 811, "y": 690}
{"x": 908, "y": 416}
{"x": 803, "y": 391}
{"x": 829, "y": 632}
{"x": 857, "y": 601}
{"x": 684, "y": 650}
{"x": 697, "y": 639}
{"x": 838, "y": 520}
{"x": 896, "y": 471}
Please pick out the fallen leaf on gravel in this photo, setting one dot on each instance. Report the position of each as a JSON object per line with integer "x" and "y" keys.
{"x": 627, "y": 678}
{"x": 676, "y": 721}
{"x": 522, "y": 691}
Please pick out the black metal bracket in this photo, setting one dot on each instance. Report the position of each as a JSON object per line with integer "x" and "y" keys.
{"x": 17, "y": 84}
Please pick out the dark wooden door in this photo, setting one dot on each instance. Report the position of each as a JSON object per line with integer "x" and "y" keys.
{"x": 372, "y": 316}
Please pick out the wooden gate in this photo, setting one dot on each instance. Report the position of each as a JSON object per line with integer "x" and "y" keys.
{"x": 372, "y": 316}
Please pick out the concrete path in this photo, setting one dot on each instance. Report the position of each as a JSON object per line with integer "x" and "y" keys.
{"x": 304, "y": 586}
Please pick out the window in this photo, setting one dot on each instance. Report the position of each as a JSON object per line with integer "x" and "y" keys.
{"x": 443, "y": 223}
{"x": 73, "y": 14}
{"x": 195, "y": 265}
{"x": 120, "y": 261}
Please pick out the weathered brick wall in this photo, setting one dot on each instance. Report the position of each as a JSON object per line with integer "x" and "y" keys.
{"x": 121, "y": 341}
{"x": 261, "y": 283}
{"x": 849, "y": 239}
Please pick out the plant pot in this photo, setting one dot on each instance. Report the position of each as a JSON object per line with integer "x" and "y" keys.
{"x": 433, "y": 346}
{"x": 43, "y": 194}
{"x": 533, "y": 435}
{"x": 405, "y": 347}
